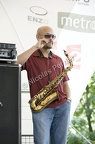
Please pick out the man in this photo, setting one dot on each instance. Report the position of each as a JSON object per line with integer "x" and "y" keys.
{"x": 50, "y": 126}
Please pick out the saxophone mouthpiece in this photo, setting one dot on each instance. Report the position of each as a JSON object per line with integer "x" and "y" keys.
{"x": 65, "y": 53}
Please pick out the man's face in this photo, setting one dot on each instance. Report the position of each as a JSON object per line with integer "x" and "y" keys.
{"x": 47, "y": 36}
{"x": 48, "y": 40}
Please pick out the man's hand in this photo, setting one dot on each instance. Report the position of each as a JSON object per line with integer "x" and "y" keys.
{"x": 41, "y": 43}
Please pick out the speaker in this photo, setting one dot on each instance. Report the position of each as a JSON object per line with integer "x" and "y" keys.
{"x": 10, "y": 104}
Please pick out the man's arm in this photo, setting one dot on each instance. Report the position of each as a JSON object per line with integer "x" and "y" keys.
{"x": 67, "y": 90}
{"x": 22, "y": 58}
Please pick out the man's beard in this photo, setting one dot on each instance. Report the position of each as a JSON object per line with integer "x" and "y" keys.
{"x": 48, "y": 46}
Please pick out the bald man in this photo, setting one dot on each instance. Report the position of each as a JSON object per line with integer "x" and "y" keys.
{"x": 50, "y": 126}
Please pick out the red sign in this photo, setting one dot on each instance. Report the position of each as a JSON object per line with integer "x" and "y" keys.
{"x": 74, "y": 52}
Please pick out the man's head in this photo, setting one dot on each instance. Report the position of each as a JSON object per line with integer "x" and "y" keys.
{"x": 46, "y": 33}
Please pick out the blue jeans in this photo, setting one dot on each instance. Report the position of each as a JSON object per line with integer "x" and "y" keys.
{"x": 50, "y": 126}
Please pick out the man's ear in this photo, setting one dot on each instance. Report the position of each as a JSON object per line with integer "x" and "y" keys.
{"x": 37, "y": 37}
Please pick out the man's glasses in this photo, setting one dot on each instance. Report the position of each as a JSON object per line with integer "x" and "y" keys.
{"x": 47, "y": 36}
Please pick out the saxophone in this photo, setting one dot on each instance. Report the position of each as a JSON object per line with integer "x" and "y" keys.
{"x": 47, "y": 94}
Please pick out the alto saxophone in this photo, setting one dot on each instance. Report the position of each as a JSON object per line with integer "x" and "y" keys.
{"x": 47, "y": 94}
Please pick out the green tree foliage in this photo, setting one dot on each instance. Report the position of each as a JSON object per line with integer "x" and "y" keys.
{"x": 83, "y": 121}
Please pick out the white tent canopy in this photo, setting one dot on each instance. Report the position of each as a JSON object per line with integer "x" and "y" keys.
{"x": 74, "y": 25}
